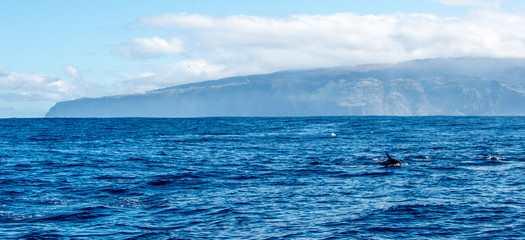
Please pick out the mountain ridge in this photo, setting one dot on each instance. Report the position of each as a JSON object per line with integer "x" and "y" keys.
{"x": 441, "y": 86}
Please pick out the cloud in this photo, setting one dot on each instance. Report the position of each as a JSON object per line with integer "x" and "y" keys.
{"x": 41, "y": 87}
{"x": 341, "y": 39}
{"x": 180, "y": 72}
{"x": 240, "y": 44}
{"x": 493, "y": 4}
{"x": 133, "y": 75}
{"x": 143, "y": 48}
{"x": 73, "y": 71}
{"x": 186, "y": 20}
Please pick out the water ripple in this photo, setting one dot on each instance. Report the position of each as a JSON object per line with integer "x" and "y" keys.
{"x": 262, "y": 178}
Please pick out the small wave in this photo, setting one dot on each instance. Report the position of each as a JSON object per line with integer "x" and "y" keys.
{"x": 125, "y": 202}
{"x": 162, "y": 154}
{"x": 73, "y": 217}
{"x": 7, "y": 182}
{"x": 194, "y": 211}
{"x": 94, "y": 208}
{"x": 154, "y": 235}
{"x": 183, "y": 179}
{"x": 157, "y": 201}
{"x": 44, "y": 138}
{"x": 8, "y": 217}
{"x": 244, "y": 177}
{"x": 114, "y": 191}
{"x": 113, "y": 177}
{"x": 160, "y": 182}
{"x": 416, "y": 208}
{"x": 22, "y": 166}
{"x": 43, "y": 235}
{"x": 10, "y": 192}
{"x": 387, "y": 229}
{"x": 57, "y": 202}
{"x": 137, "y": 159}
{"x": 224, "y": 211}
{"x": 365, "y": 174}
{"x": 443, "y": 168}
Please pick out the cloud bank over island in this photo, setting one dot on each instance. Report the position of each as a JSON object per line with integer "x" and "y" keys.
{"x": 240, "y": 44}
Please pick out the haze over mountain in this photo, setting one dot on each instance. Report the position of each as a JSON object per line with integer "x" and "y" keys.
{"x": 455, "y": 86}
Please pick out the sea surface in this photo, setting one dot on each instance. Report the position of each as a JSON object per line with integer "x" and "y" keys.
{"x": 263, "y": 178}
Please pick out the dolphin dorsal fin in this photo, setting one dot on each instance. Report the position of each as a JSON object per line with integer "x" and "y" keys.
{"x": 389, "y": 158}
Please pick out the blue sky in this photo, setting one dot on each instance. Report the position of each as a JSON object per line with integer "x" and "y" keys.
{"x": 60, "y": 50}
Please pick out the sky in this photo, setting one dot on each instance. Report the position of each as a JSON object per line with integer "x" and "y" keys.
{"x": 58, "y": 50}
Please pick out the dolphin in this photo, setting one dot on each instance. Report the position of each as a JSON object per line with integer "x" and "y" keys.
{"x": 391, "y": 162}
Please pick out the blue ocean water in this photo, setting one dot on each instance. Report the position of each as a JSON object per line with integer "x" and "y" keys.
{"x": 263, "y": 178}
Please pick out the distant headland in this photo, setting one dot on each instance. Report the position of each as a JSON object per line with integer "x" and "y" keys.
{"x": 443, "y": 86}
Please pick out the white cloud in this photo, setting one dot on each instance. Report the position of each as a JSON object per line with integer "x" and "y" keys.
{"x": 240, "y": 44}
{"x": 341, "y": 39}
{"x": 141, "y": 48}
{"x": 41, "y": 87}
{"x": 133, "y": 75}
{"x": 73, "y": 71}
{"x": 185, "y": 20}
{"x": 472, "y": 3}
{"x": 185, "y": 71}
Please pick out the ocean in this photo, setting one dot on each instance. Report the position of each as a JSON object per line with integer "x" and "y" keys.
{"x": 263, "y": 178}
